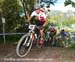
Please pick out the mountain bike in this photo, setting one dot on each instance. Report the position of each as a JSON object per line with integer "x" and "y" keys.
{"x": 25, "y": 43}
{"x": 51, "y": 37}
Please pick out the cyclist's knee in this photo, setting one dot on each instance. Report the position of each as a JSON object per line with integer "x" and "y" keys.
{"x": 42, "y": 30}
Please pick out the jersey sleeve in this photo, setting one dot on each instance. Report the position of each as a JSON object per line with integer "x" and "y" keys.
{"x": 33, "y": 14}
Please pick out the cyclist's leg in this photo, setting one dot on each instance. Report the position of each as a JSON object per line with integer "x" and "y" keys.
{"x": 41, "y": 36}
{"x": 41, "y": 32}
{"x": 54, "y": 39}
{"x": 33, "y": 37}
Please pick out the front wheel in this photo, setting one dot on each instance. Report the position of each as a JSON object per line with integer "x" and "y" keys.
{"x": 24, "y": 45}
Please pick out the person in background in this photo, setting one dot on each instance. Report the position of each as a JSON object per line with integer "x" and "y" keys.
{"x": 53, "y": 32}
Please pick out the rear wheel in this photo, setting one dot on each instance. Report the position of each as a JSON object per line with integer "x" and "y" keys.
{"x": 24, "y": 45}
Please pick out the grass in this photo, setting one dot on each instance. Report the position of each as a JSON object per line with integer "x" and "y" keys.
{"x": 10, "y": 38}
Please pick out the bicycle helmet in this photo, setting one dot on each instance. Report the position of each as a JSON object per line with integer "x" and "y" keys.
{"x": 42, "y": 9}
{"x": 52, "y": 24}
{"x": 36, "y": 6}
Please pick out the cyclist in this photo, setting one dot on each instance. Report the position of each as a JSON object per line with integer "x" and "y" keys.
{"x": 40, "y": 16}
{"x": 53, "y": 32}
{"x": 53, "y": 29}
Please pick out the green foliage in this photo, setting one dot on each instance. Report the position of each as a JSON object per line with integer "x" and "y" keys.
{"x": 10, "y": 10}
{"x": 30, "y": 5}
{"x": 67, "y": 2}
{"x": 61, "y": 21}
{"x": 68, "y": 22}
{"x": 10, "y": 39}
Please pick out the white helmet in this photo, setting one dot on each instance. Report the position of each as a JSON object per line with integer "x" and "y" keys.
{"x": 36, "y": 6}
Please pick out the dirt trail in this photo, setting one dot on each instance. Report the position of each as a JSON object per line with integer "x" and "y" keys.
{"x": 45, "y": 54}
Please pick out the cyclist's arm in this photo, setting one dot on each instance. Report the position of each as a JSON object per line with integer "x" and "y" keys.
{"x": 30, "y": 17}
{"x": 46, "y": 22}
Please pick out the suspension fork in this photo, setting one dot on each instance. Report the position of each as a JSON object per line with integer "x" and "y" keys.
{"x": 32, "y": 36}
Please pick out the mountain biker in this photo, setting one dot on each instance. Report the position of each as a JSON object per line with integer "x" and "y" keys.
{"x": 52, "y": 28}
{"x": 40, "y": 16}
{"x": 53, "y": 32}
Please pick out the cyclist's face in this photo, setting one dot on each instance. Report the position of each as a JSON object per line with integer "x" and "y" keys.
{"x": 38, "y": 11}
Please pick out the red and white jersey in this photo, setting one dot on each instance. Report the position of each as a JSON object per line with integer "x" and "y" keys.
{"x": 41, "y": 15}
